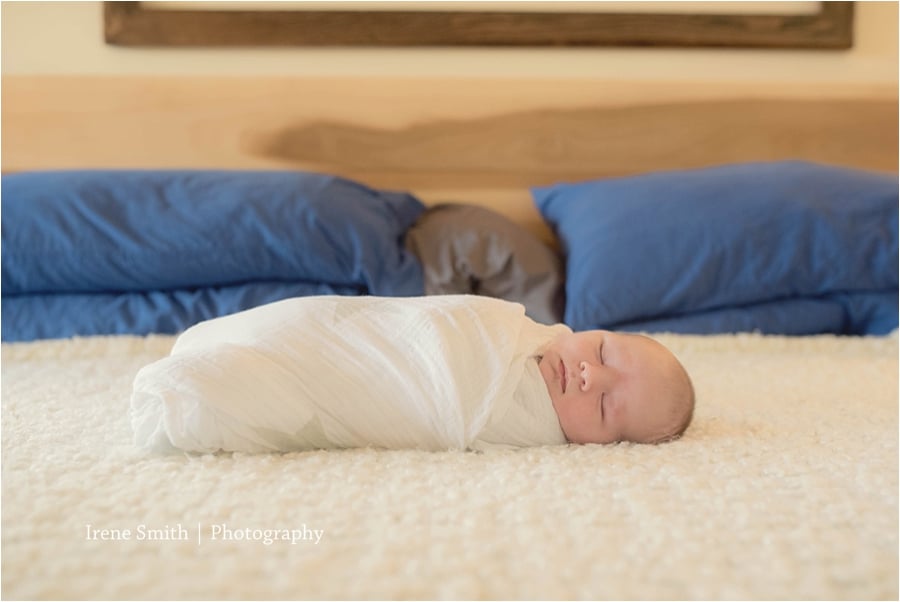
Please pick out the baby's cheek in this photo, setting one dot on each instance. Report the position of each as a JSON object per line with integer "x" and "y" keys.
{"x": 584, "y": 409}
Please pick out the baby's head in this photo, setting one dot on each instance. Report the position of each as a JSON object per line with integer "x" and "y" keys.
{"x": 611, "y": 386}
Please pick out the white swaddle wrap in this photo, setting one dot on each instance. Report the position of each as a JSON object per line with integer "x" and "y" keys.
{"x": 428, "y": 373}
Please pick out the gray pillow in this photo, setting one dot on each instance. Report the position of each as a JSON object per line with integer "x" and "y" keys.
{"x": 466, "y": 249}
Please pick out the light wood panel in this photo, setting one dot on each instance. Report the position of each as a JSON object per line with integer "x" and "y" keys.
{"x": 540, "y": 147}
{"x": 480, "y": 141}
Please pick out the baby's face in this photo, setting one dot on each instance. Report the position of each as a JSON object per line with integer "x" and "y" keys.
{"x": 608, "y": 387}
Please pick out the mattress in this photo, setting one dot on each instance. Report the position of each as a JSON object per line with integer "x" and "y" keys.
{"x": 785, "y": 486}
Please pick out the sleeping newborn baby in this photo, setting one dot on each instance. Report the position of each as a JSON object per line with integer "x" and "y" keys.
{"x": 608, "y": 387}
{"x": 433, "y": 373}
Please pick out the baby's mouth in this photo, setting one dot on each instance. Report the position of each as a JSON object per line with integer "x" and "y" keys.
{"x": 562, "y": 376}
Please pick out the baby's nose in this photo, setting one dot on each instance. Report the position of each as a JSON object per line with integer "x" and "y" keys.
{"x": 594, "y": 377}
{"x": 585, "y": 375}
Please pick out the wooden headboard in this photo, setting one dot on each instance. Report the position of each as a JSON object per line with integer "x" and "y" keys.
{"x": 468, "y": 140}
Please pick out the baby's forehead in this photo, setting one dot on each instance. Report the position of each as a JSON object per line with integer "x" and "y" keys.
{"x": 645, "y": 350}
{"x": 658, "y": 363}
{"x": 637, "y": 341}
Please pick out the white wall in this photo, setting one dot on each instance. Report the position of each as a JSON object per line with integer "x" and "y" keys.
{"x": 67, "y": 38}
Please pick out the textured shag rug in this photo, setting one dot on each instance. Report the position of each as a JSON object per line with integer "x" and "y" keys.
{"x": 785, "y": 487}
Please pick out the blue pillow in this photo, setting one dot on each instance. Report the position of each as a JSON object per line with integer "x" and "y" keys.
{"x": 667, "y": 246}
{"x": 841, "y": 313}
{"x": 64, "y": 315}
{"x": 115, "y": 231}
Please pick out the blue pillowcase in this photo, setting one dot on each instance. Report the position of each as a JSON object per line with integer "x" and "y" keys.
{"x": 731, "y": 248}
{"x": 100, "y": 231}
{"x": 64, "y": 315}
{"x": 76, "y": 233}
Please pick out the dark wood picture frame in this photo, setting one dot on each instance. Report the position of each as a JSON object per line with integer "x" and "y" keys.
{"x": 132, "y": 24}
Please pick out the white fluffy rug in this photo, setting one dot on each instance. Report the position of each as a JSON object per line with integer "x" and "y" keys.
{"x": 785, "y": 487}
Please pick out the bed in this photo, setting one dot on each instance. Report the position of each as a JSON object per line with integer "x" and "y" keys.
{"x": 785, "y": 486}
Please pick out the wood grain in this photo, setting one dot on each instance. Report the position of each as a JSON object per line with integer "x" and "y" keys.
{"x": 466, "y": 140}
{"x": 541, "y": 147}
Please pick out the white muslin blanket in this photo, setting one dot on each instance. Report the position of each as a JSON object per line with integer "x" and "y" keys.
{"x": 432, "y": 373}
